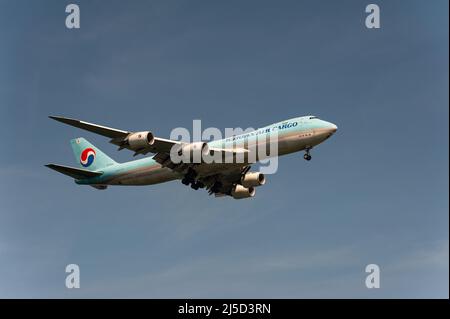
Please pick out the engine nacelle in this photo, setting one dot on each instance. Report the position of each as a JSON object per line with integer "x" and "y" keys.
{"x": 253, "y": 179}
{"x": 193, "y": 152}
{"x": 140, "y": 140}
{"x": 240, "y": 191}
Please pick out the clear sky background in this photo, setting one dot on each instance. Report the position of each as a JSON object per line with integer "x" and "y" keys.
{"x": 376, "y": 192}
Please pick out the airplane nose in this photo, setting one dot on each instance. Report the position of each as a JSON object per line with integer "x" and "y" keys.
{"x": 332, "y": 128}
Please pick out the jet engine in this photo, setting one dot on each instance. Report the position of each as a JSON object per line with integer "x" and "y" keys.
{"x": 140, "y": 140}
{"x": 253, "y": 179}
{"x": 193, "y": 152}
{"x": 240, "y": 191}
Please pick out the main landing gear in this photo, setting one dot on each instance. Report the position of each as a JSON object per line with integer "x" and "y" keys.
{"x": 189, "y": 178}
{"x": 307, "y": 156}
{"x": 197, "y": 185}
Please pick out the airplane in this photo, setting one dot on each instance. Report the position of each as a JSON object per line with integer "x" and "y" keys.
{"x": 220, "y": 178}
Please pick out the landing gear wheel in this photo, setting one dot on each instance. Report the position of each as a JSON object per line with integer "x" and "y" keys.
{"x": 200, "y": 185}
{"x": 215, "y": 188}
{"x": 194, "y": 186}
{"x": 307, "y": 157}
{"x": 189, "y": 178}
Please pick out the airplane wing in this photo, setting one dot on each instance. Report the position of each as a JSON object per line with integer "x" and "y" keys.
{"x": 139, "y": 142}
{"x": 218, "y": 178}
{"x": 98, "y": 129}
{"x": 135, "y": 141}
{"x": 222, "y": 183}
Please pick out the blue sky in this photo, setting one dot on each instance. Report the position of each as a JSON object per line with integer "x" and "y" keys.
{"x": 376, "y": 192}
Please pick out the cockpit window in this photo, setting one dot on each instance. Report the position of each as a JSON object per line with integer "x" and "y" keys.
{"x": 313, "y": 117}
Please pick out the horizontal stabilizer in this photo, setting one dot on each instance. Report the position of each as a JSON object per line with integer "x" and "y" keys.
{"x": 76, "y": 173}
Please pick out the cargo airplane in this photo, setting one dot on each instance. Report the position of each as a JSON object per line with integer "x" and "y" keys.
{"x": 220, "y": 178}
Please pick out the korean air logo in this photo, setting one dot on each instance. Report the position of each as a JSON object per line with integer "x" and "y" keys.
{"x": 87, "y": 157}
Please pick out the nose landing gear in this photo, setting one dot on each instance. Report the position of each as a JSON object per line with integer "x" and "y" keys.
{"x": 307, "y": 156}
